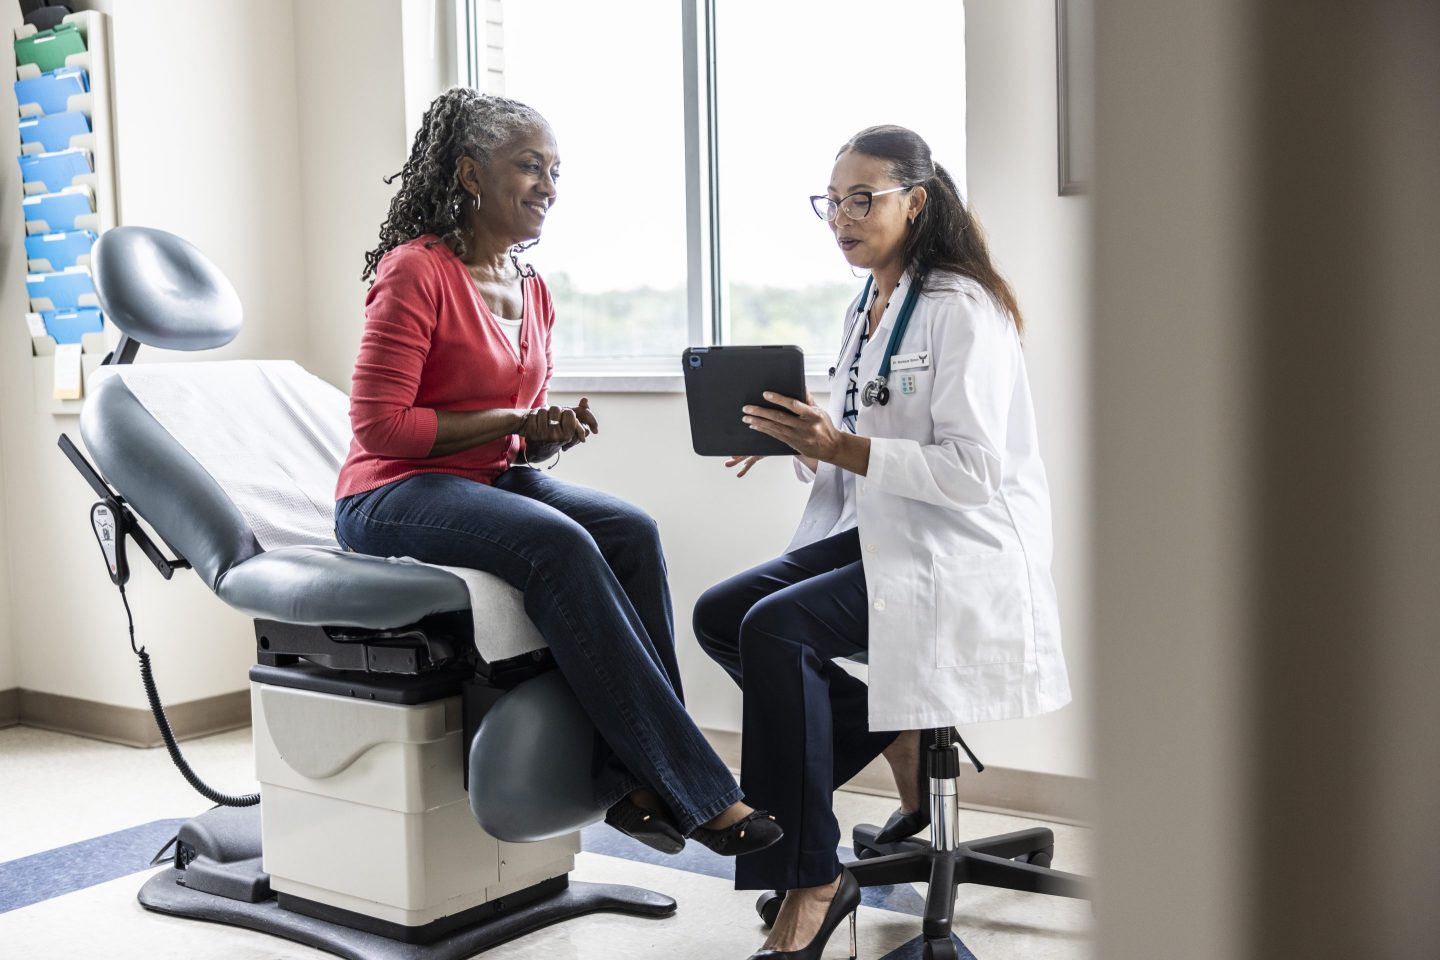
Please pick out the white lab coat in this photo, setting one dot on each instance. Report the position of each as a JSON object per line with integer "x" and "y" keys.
{"x": 954, "y": 518}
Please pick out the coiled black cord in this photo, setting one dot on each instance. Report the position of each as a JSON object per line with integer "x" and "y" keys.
{"x": 147, "y": 677}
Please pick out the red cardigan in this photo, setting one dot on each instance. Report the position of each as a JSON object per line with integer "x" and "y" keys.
{"x": 430, "y": 343}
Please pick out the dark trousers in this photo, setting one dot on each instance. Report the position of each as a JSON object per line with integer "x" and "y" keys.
{"x": 593, "y": 577}
{"x": 775, "y": 629}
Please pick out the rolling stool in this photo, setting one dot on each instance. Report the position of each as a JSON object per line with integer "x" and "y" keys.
{"x": 1014, "y": 861}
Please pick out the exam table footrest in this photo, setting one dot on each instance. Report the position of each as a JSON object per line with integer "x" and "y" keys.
{"x": 163, "y": 893}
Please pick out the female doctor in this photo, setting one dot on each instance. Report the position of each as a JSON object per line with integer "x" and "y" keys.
{"x": 926, "y": 539}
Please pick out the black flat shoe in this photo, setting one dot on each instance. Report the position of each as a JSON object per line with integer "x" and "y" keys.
{"x": 652, "y": 829}
{"x": 901, "y": 826}
{"x": 756, "y": 831}
{"x": 847, "y": 901}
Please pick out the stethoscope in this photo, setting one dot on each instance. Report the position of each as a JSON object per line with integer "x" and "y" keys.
{"x": 878, "y": 390}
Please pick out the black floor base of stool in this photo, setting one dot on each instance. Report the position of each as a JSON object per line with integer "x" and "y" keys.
{"x": 1014, "y": 861}
{"x": 163, "y": 894}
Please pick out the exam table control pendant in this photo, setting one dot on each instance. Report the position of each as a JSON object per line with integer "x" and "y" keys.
{"x": 106, "y": 520}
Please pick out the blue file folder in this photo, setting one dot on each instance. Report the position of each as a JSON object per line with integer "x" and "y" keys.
{"x": 67, "y": 326}
{"x": 52, "y": 252}
{"x": 55, "y": 170}
{"x": 54, "y": 212}
{"x": 51, "y": 92}
{"x": 63, "y": 290}
{"x": 53, "y": 131}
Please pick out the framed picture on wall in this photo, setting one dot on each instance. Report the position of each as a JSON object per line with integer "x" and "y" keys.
{"x": 1075, "y": 88}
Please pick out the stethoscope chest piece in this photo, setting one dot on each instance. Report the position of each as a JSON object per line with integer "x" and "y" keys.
{"x": 875, "y": 391}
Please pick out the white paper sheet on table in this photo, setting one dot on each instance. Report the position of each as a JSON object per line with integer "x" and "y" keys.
{"x": 278, "y": 464}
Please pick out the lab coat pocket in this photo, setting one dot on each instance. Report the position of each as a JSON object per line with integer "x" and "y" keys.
{"x": 982, "y": 610}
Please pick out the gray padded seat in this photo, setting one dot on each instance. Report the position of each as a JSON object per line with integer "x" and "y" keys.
{"x": 313, "y": 585}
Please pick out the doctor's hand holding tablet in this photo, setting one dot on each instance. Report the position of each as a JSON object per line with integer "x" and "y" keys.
{"x": 925, "y": 544}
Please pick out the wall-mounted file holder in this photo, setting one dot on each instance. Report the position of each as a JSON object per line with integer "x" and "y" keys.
{"x": 52, "y": 252}
{"x": 67, "y": 175}
{"x": 53, "y": 92}
{"x": 79, "y": 82}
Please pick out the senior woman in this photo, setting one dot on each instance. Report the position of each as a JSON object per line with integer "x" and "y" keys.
{"x": 448, "y": 407}
{"x": 926, "y": 539}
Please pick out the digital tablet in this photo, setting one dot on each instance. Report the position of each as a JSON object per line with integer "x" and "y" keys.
{"x": 721, "y": 380}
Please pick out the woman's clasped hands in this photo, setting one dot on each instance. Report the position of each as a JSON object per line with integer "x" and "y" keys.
{"x": 557, "y": 425}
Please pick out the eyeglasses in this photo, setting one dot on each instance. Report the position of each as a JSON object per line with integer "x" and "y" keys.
{"x": 856, "y": 206}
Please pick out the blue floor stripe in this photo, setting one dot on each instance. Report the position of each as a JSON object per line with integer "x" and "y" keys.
{"x": 63, "y": 870}
{"x": 54, "y": 873}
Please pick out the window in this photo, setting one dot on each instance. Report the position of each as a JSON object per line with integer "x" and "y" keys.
{"x": 606, "y": 76}
{"x": 795, "y": 81}
{"x": 692, "y": 133}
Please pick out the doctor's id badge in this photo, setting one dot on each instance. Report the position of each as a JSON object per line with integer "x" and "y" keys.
{"x": 907, "y": 383}
{"x": 911, "y": 361}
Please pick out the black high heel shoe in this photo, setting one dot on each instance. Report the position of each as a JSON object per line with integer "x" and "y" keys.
{"x": 755, "y": 831}
{"x": 847, "y": 901}
{"x": 652, "y": 829}
{"x": 903, "y": 825}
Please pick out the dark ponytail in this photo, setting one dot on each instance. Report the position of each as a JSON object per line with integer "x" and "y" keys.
{"x": 945, "y": 236}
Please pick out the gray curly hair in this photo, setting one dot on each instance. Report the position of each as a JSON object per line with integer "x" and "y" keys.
{"x": 461, "y": 122}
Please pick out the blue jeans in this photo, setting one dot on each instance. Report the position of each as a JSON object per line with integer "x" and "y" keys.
{"x": 776, "y": 629}
{"x": 592, "y": 573}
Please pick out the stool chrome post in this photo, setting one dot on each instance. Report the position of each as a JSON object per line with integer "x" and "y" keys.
{"x": 944, "y": 797}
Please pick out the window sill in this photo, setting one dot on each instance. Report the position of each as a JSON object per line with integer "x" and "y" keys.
{"x": 607, "y": 382}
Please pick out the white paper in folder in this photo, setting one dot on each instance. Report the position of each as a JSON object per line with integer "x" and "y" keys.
{"x": 67, "y": 371}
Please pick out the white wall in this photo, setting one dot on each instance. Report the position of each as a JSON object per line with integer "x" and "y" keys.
{"x": 1041, "y": 243}
{"x": 205, "y": 126}
{"x": 712, "y": 525}
{"x": 352, "y": 135}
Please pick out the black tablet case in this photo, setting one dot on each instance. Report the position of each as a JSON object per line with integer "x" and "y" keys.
{"x": 726, "y": 379}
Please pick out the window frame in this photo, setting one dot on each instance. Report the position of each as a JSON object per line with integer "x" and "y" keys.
{"x": 707, "y": 321}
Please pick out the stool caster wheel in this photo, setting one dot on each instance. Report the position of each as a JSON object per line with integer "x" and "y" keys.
{"x": 768, "y": 906}
{"x": 1038, "y": 858}
{"x": 941, "y": 950}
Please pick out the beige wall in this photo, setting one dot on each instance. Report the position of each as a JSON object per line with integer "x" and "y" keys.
{"x": 1041, "y": 242}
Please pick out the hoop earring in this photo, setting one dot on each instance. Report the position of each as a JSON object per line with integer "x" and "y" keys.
{"x": 857, "y": 276}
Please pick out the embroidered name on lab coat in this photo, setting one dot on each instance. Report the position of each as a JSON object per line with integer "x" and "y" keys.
{"x": 910, "y": 361}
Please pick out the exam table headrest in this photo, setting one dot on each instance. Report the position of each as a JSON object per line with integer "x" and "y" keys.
{"x": 162, "y": 292}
